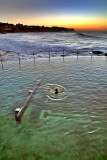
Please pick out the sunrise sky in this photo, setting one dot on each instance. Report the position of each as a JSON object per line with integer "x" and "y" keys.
{"x": 78, "y": 14}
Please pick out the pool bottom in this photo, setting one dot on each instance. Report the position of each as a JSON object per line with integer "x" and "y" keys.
{"x": 72, "y": 128}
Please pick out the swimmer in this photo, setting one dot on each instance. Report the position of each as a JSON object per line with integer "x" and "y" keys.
{"x": 56, "y": 91}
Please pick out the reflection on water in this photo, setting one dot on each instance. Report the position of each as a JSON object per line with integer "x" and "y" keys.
{"x": 73, "y": 127}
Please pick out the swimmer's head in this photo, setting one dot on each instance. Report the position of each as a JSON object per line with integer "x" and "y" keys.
{"x": 56, "y": 91}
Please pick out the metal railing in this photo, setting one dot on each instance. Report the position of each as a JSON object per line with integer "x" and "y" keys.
{"x": 52, "y": 53}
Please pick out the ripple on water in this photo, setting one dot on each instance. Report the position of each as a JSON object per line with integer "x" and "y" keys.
{"x": 50, "y": 91}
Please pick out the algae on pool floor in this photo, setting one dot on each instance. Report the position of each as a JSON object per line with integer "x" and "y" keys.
{"x": 71, "y": 128}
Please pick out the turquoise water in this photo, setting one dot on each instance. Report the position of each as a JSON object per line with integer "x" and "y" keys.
{"x": 71, "y": 128}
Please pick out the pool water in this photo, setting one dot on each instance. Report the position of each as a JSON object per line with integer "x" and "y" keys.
{"x": 69, "y": 128}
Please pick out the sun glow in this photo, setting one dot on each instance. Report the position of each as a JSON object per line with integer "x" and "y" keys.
{"x": 77, "y": 22}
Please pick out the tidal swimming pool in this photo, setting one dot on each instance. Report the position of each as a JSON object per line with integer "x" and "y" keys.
{"x": 71, "y": 125}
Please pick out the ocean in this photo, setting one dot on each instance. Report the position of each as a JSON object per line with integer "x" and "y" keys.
{"x": 41, "y": 44}
{"x": 70, "y": 125}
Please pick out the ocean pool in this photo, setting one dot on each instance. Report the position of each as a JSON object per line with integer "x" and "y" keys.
{"x": 70, "y": 128}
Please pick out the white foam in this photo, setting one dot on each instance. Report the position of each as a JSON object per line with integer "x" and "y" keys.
{"x": 42, "y": 43}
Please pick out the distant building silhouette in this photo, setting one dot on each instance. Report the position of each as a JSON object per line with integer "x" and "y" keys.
{"x": 11, "y": 28}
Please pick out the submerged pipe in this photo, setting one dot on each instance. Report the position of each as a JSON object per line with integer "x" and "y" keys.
{"x": 20, "y": 111}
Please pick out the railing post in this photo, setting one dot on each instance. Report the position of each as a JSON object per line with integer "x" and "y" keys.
{"x": 92, "y": 53}
{"x": 19, "y": 58}
{"x": 49, "y": 55}
{"x": 1, "y": 58}
{"x": 63, "y": 53}
{"x": 1, "y": 61}
{"x": 34, "y": 57}
{"x": 77, "y": 53}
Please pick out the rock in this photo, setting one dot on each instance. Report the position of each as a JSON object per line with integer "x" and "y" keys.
{"x": 97, "y": 52}
{"x": 62, "y": 55}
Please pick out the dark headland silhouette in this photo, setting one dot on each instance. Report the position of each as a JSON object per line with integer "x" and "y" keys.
{"x": 20, "y": 28}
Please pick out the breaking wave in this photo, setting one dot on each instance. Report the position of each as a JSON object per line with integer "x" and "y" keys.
{"x": 51, "y": 44}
